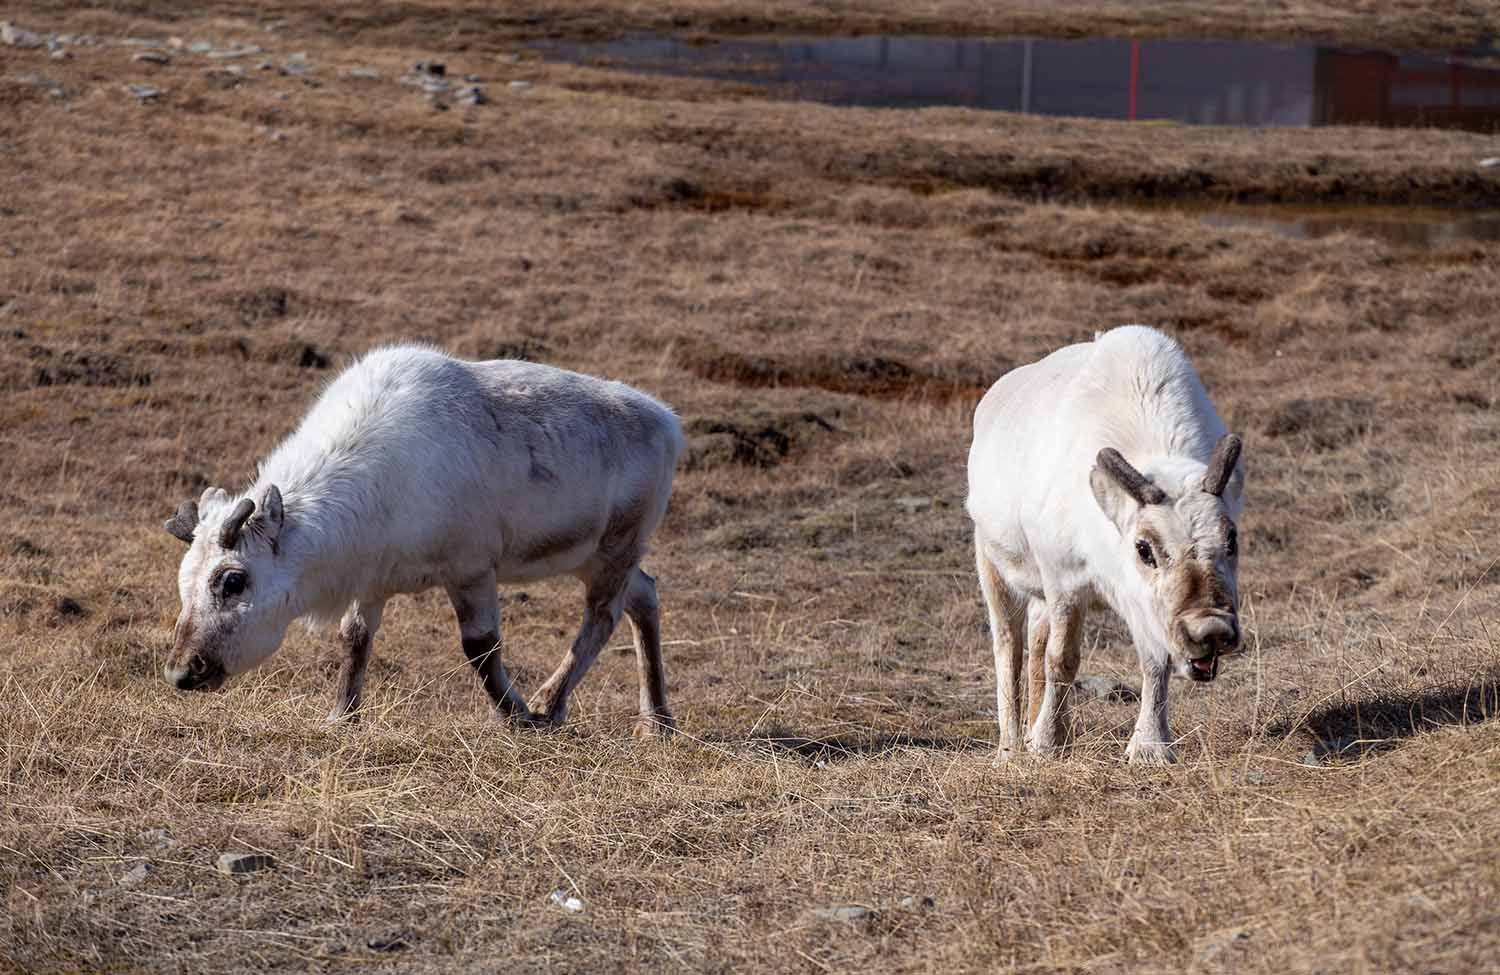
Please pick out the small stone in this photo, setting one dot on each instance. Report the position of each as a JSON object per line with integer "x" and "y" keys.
{"x": 200, "y": 47}
{"x": 566, "y": 901}
{"x": 365, "y": 74}
{"x": 435, "y": 68}
{"x": 152, "y": 57}
{"x": 135, "y": 874}
{"x": 926, "y": 902}
{"x": 519, "y": 85}
{"x": 508, "y": 58}
{"x": 62, "y": 55}
{"x": 160, "y": 839}
{"x": 144, "y": 92}
{"x": 473, "y": 79}
{"x": 912, "y": 504}
{"x": 295, "y": 69}
{"x": 299, "y": 56}
{"x": 176, "y": 43}
{"x": 1106, "y": 689}
{"x": 17, "y": 36}
{"x": 1490, "y": 162}
{"x": 231, "y": 864}
{"x": 228, "y": 53}
{"x": 139, "y": 42}
{"x": 845, "y": 912}
{"x": 266, "y": 66}
{"x": 472, "y": 96}
{"x": 274, "y": 26}
{"x": 390, "y": 942}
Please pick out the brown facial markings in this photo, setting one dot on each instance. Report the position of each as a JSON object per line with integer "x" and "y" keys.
{"x": 182, "y": 643}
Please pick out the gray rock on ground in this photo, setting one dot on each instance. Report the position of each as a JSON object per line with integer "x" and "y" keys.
{"x": 232, "y": 864}
{"x": 18, "y": 36}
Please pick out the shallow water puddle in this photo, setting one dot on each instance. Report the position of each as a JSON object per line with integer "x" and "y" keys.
{"x": 1199, "y": 82}
{"x": 1414, "y": 227}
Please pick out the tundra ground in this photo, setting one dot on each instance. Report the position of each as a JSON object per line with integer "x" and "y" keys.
{"x": 823, "y": 295}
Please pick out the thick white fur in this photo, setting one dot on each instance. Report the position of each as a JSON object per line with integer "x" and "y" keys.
{"x": 1037, "y": 433}
{"x": 413, "y": 470}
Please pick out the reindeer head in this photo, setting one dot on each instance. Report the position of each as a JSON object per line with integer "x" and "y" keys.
{"x": 1183, "y": 552}
{"x": 235, "y": 594}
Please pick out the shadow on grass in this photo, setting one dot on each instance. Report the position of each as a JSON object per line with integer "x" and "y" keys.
{"x": 839, "y": 748}
{"x": 1355, "y": 729}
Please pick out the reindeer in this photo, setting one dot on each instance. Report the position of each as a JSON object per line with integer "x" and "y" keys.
{"x": 415, "y": 470}
{"x": 1102, "y": 474}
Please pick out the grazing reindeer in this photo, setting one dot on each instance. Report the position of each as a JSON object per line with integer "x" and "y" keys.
{"x": 414, "y": 470}
{"x": 1102, "y": 474}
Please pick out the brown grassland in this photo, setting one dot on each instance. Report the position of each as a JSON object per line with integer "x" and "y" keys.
{"x": 822, "y": 294}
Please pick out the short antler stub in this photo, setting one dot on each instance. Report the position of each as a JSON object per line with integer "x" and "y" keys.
{"x": 1221, "y": 465}
{"x": 1136, "y": 484}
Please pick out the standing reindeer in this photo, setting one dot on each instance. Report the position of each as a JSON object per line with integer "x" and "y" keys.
{"x": 1102, "y": 474}
{"x": 415, "y": 470}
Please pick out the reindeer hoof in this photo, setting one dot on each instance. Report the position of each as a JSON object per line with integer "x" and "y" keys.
{"x": 536, "y": 720}
{"x": 661, "y": 724}
{"x": 1149, "y": 753}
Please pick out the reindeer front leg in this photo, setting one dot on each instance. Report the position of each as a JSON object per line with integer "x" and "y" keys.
{"x": 357, "y": 633}
{"x": 1151, "y": 744}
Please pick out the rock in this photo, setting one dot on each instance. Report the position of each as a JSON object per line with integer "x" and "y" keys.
{"x": 176, "y": 43}
{"x": 62, "y": 55}
{"x": 144, "y": 92}
{"x": 912, "y": 504}
{"x": 151, "y": 57}
{"x": 231, "y": 864}
{"x": 365, "y": 74}
{"x": 266, "y": 66}
{"x": 200, "y": 47}
{"x": 472, "y": 96}
{"x": 139, "y": 42}
{"x": 274, "y": 26}
{"x": 135, "y": 874}
{"x": 926, "y": 902}
{"x": 519, "y": 85}
{"x": 67, "y": 606}
{"x": 1489, "y": 163}
{"x": 17, "y": 36}
{"x": 229, "y": 53}
{"x": 160, "y": 839}
{"x": 389, "y": 942}
{"x": 508, "y": 58}
{"x": 566, "y": 901}
{"x": 473, "y": 79}
{"x": 299, "y": 57}
{"x": 41, "y": 81}
{"x": 435, "y": 68}
{"x": 1106, "y": 689}
{"x": 844, "y": 912}
{"x": 295, "y": 69}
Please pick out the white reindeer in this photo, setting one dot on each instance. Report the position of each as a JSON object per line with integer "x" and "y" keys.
{"x": 1102, "y": 474}
{"x": 415, "y": 470}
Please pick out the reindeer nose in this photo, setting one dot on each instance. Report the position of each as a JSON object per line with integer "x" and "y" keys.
{"x": 179, "y": 677}
{"x": 1213, "y": 634}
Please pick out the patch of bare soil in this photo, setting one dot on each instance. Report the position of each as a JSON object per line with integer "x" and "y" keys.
{"x": 821, "y": 294}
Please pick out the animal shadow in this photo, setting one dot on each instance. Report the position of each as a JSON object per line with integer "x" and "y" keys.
{"x": 1357, "y": 729}
{"x": 842, "y": 747}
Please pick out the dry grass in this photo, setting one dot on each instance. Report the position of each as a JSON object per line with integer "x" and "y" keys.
{"x": 821, "y": 294}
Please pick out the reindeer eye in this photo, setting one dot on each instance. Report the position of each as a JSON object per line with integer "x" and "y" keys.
{"x": 1143, "y": 549}
{"x": 232, "y": 583}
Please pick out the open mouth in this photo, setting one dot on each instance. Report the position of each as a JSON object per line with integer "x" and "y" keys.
{"x": 1203, "y": 669}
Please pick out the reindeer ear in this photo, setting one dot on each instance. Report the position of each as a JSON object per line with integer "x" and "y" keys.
{"x": 270, "y": 515}
{"x": 184, "y": 522}
{"x": 1116, "y": 503}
